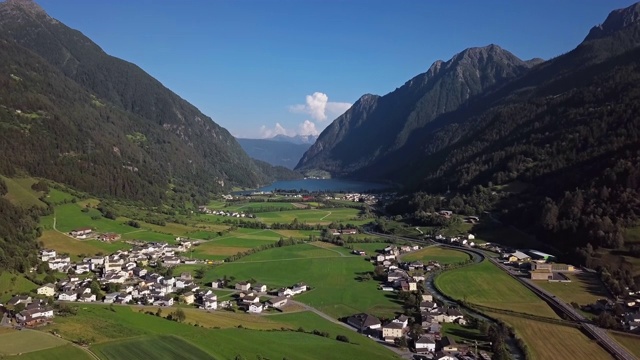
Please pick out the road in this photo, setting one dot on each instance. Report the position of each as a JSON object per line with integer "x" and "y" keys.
{"x": 599, "y": 334}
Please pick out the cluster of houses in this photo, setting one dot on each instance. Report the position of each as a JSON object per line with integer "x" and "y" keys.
{"x": 405, "y": 276}
{"x": 338, "y": 232}
{"x": 118, "y": 265}
{"x": 87, "y": 232}
{"x": 429, "y": 341}
{"x": 461, "y": 240}
{"x": 627, "y": 309}
{"x": 34, "y": 313}
{"x": 248, "y": 296}
{"x": 127, "y": 271}
{"x": 205, "y": 210}
{"x": 357, "y": 197}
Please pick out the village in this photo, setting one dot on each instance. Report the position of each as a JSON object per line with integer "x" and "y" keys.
{"x": 139, "y": 276}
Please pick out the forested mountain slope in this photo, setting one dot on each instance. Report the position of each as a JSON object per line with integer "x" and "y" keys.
{"x": 76, "y": 115}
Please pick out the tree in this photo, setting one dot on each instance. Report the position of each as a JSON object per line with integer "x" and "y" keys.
{"x": 95, "y": 287}
{"x": 401, "y": 342}
{"x": 342, "y": 338}
{"x": 179, "y": 315}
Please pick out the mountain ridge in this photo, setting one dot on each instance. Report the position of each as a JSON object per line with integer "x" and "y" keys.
{"x": 391, "y": 118}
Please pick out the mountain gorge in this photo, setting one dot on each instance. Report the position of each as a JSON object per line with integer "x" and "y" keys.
{"x": 277, "y": 151}
{"x": 76, "y": 115}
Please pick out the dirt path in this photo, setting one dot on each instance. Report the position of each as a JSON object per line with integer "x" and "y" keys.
{"x": 324, "y": 217}
{"x": 335, "y": 251}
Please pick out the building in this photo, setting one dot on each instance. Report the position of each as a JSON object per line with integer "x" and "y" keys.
{"x": 243, "y": 286}
{"x": 189, "y": 298}
{"x": 81, "y": 233}
{"x": 392, "y": 330}
{"x": 260, "y": 288}
{"x": 539, "y": 255}
{"x": 425, "y": 344}
{"x": 255, "y": 308}
{"x": 364, "y": 322}
{"x": 278, "y": 302}
{"x": 47, "y": 290}
{"x": 519, "y": 257}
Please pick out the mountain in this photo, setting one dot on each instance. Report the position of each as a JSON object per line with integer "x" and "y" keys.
{"x": 74, "y": 114}
{"x": 298, "y": 139}
{"x": 368, "y": 134}
{"x": 275, "y": 152}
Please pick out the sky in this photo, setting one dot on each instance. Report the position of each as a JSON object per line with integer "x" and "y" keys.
{"x": 265, "y": 67}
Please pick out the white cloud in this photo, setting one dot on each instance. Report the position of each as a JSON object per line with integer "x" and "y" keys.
{"x": 319, "y": 107}
{"x": 307, "y": 128}
{"x": 277, "y": 130}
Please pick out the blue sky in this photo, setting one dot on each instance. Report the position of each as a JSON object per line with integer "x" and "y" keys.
{"x": 263, "y": 67}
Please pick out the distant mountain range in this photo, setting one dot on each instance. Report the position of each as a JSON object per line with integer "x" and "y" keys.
{"x": 280, "y": 150}
{"x": 74, "y": 114}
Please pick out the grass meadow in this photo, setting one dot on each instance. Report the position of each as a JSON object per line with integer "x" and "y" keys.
{"x": 485, "y": 284}
{"x": 584, "y": 288}
{"x": 64, "y": 352}
{"x": 334, "y": 278}
{"x": 150, "y": 347}
{"x": 436, "y": 253}
{"x": 16, "y": 342}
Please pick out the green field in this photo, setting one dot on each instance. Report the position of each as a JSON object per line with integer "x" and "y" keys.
{"x": 64, "y": 352}
{"x": 487, "y": 285}
{"x": 16, "y": 342}
{"x": 11, "y": 284}
{"x": 584, "y": 288}
{"x": 70, "y": 216}
{"x": 630, "y": 342}
{"x": 65, "y": 244}
{"x": 312, "y": 216}
{"x": 439, "y": 254}
{"x": 20, "y": 192}
{"x": 336, "y": 292}
{"x": 150, "y": 347}
{"x": 103, "y": 325}
{"x": 56, "y": 196}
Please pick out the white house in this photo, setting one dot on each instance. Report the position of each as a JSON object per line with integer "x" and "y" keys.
{"x": 255, "y": 308}
{"x": 210, "y": 302}
{"x": 45, "y": 254}
{"x": 285, "y": 292}
{"x": 425, "y": 344}
{"x": 261, "y": 288}
{"x": 299, "y": 288}
{"x": 68, "y": 296}
{"x": 243, "y": 286}
{"x": 277, "y": 302}
{"x": 87, "y": 297}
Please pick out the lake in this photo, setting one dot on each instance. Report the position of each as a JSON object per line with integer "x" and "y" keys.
{"x": 311, "y": 185}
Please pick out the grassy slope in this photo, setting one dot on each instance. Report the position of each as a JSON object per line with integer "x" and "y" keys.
{"x": 20, "y": 192}
{"x": 485, "y": 284}
{"x": 9, "y": 287}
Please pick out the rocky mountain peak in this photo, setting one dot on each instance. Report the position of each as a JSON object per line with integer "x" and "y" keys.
{"x": 616, "y": 21}
{"x": 14, "y": 9}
